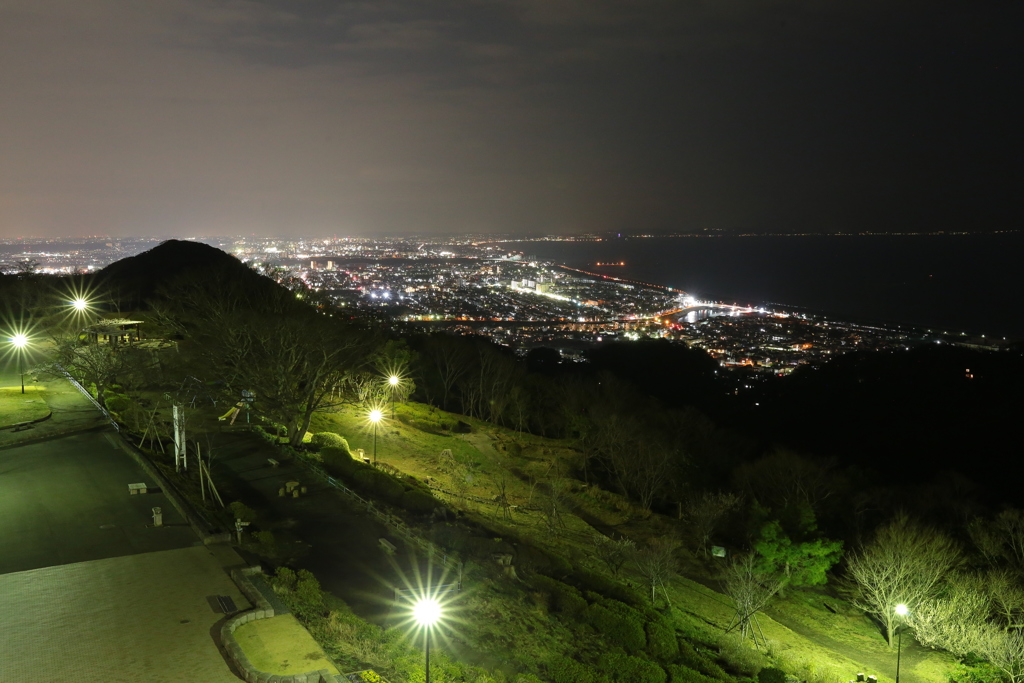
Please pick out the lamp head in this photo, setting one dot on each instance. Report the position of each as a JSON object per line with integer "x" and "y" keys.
{"x": 375, "y": 415}
{"x": 19, "y": 340}
{"x": 426, "y": 611}
{"x": 901, "y": 610}
{"x": 80, "y": 304}
{"x": 393, "y": 380}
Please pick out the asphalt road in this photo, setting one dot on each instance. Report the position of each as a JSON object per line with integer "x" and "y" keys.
{"x": 66, "y": 500}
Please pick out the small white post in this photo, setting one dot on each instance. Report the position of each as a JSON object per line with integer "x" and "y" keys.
{"x": 158, "y": 517}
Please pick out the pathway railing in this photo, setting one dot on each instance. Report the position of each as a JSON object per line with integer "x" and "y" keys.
{"x": 88, "y": 395}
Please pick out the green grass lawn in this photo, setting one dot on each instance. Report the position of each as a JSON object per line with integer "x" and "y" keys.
{"x": 17, "y": 407}
{"x": 280, "y": 645}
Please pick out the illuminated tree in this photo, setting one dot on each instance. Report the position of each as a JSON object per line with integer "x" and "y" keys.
{"x": 906, "y": 563}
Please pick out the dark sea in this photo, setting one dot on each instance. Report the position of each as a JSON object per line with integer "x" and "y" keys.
{"x": 954, "y": 283}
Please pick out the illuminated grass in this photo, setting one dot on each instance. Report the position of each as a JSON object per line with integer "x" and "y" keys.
{"x": 17, "y": 407}
{"x": 279, "y": 645}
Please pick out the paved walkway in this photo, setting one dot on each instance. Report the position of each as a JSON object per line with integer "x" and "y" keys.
{"x": 66, "y": 500}
{"x": 72, "y": 412}
{"x": 137, "y": 618}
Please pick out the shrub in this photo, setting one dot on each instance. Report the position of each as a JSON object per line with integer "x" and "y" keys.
{"x": 118, "y": 403}
{"x": 566, "y": 670}
{"x": 564, "y": 599}
{"x": 618, "y": 627}
{"x": 770, "y": 674}
{"x": 323, "y": 440}
{"x": 662, "y": 643}
{"x": 418, "y": 502}
{"x": 677, "y": 673}
{"x": 371, "y": 481}
{"x": 699, "y": 661}
{"x": 308, "y": 596}
{"x": 588, "y": 581}
{"x": 739, "y": 657}
{"x": 240, "y": 510}
{"x": 621, "y": 667}
{"x": 338, "y": 461}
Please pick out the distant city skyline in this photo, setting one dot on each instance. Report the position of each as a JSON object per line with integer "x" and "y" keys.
{"x": 181, "y": 117}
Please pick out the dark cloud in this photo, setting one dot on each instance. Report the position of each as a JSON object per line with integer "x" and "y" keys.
{"x": 189, "y": 116}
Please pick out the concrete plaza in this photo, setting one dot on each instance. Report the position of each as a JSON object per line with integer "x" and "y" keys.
{"x": 143, "y": 617}
{"x": 66, "y": 500}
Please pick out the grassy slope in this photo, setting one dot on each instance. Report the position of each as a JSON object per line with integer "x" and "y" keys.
{"x": 821, "y": 644}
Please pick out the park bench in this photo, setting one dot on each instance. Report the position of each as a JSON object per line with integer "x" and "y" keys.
{"x": 272, "y": 462}
{"x": 22, "y": 425}
{"x": 387, "y": 546}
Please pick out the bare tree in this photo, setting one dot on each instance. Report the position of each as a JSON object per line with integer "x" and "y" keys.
{"x": 704, "y": 511}
{"x": 954, "y": 617}
{"x": 750, "y": 587}
{"x": 657, "y": 564}
{"x": 614, "y": 552}
{"x": 1007, "y": 594}
{"x": 97, "y": 366}
{"x": 1004, "y": 649}
{"x": 905, "y": 564}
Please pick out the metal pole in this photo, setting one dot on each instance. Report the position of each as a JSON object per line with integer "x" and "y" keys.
{"x": 374, "y": 444}
{"x": 22, "y": 356}
{"x": 899, "y": 646}
{"x": 428, "y": 654}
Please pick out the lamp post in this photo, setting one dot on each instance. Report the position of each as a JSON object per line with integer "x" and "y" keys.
{"x": 427, "y": 612}
{"x": 20, "y": 341}
{"x": 375, "y": 416}
{"x": 393, "y": 381}
{"x": 901, "y": 610}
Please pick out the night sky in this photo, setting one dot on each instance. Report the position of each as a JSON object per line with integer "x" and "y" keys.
{"x": 174, "y": 117}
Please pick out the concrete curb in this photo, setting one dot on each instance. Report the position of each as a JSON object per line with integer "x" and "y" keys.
{"x": 262, "y": 610}
{"x": 53, "y": 434}
{"x": 49, "y": 414}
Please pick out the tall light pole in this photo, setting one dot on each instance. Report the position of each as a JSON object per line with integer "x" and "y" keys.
{"x": 427, "y": 612}
{"x": 20, "y": 341}
{"x": 393, "y": 381}
{"x": 375, "y": 416}
{"x": 901, "y": 610}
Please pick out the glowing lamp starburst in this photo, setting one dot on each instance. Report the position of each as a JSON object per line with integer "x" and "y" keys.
{"x": 426, "y": 611}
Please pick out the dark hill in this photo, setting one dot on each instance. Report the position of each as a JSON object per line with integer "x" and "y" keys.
{"x": 135, "y": 280}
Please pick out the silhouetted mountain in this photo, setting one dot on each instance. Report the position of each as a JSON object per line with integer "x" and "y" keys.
{"x": 135, "y": 280}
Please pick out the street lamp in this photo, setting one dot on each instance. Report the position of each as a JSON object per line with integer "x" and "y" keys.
{"x": 901, "y": 610}
{"x": 393, "y": 381}
{"x": 20, "y": 341}
{"x": 427, "y": 612}
{"x": 375, "y": 416}
{"x": 80, "y": 304}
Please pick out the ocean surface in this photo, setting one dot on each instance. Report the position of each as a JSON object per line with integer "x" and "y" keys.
{"x": 955, "y": 283}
